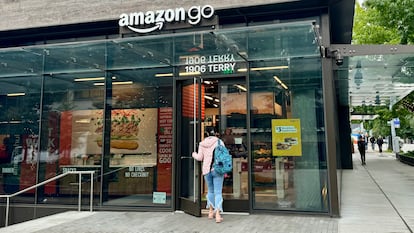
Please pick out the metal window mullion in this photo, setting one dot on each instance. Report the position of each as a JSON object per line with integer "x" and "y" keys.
{"x": 194, "y": 134}
{"x": 39, "y": 138}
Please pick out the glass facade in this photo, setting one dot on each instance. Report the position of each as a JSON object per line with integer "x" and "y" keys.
{"x": 108, "y": 106}
{"x": 288, "y": 138}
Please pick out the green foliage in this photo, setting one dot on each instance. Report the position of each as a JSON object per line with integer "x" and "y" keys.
{"x": 406, "y": 116}
{"x": 384, "y": 22}
{"x": 367, "y": 29}
{"x": 409, "y": 154}
{"x": 367, "y": 109}
{"x": 398, "y": 14}
{"x": 380, "y": 126}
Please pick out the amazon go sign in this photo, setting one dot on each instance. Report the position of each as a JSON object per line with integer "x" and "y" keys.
{"x": 145, "y": 22}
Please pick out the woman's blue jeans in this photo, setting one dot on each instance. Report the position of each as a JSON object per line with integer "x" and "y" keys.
{"x": 214, "y": 194}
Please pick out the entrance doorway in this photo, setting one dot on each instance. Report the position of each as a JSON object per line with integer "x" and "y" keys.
{"x": 205, "y": 107}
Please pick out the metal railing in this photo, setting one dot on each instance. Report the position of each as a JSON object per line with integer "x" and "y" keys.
{"x": 47, "y": 181}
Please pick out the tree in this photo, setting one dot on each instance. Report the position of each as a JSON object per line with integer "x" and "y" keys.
{"x": 398, "y": 14}
{"x": 380, "y": 125}
{"x": 405, "y": 109}
{"x": 367, "y": 29}
{"x": 388, "y": 22}
{"x": 388, "y": 19}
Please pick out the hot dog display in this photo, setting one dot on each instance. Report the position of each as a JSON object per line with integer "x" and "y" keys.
{"x": 133, "y": 136}
{"x": 124, "y": 129}
{"x": 121, "y": 144}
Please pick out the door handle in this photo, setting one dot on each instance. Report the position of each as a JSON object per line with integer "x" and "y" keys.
{"x": 186, "y": 157}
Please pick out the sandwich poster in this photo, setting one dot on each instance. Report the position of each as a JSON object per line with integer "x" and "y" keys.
{"x": 133, "y": 131}
{"x": 286, "y": 137}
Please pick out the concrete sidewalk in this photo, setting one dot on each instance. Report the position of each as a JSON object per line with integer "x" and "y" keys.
{"x": 378, "y": 197}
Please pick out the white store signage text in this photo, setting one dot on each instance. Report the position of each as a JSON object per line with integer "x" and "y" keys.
{"x": 210, "y": 64}
{"x": 139, "y": 21}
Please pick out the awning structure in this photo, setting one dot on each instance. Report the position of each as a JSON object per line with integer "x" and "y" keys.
{"x": 374, "y": 74}
{"x": 363, "y": 117}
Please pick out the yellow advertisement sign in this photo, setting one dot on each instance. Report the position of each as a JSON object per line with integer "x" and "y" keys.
{"x": 286, "y": 137}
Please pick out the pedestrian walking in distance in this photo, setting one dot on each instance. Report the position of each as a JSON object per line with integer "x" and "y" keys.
{"x": 372, "y": 141}
{"x": 380, "y": 141}
{"x": 361, "y": 148}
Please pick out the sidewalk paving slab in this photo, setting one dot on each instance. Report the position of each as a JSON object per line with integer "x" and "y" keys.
{"x": 376, "y": 198}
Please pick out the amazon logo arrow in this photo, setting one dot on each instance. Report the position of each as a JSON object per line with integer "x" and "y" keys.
{"x": 158, "y": 26}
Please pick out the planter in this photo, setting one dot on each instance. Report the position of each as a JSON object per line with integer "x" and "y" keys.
{"x": 406, "y": 159}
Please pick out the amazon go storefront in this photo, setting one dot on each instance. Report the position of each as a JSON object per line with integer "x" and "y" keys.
{"x": 133, "y": 106}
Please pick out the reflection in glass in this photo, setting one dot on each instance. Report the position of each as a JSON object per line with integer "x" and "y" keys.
{"x": 19, "y": 134}
{"x": 288, "y": 138}
{"x": 141, "y": 137}
{"x": 66, "y": 133}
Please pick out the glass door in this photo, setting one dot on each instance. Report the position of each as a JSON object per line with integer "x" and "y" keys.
{"x": 189, "y": 113}
{"x": 230, "y": 124}
{"x": 212, "y": 106}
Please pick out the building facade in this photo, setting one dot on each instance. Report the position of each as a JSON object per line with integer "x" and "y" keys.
{"x": 128, "y": 89}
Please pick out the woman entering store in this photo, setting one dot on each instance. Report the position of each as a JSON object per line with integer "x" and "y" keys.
{"x": 213, "y": 179}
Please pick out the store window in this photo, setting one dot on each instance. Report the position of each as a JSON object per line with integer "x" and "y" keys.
{"x": 287, "y": 126}
{"x": 20, "y": 92}
{"x": 55, "y": 98}
{"x": 140, "y": 162}
{"x": 140, "y": 166}
{"x": 71, "y": 97}
{"x": 19, "y": 125}
{"x": 67, "y": 138}
{"x": 288, "y": 137}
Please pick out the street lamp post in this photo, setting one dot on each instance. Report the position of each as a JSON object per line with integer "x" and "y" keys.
{"x": 395, "y": 123}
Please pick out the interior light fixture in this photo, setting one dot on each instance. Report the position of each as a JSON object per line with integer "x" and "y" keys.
{"x": 277, "y": 79}
{"x": 264, "y": 68}
{"x": 164, "y": 75}
{"x": 11, "y": 122}
{"x": 16, "y": 94}
{"x": 83, "y": 121}
{"x": 280, "y": 82}
{"x": 208, "y": 97}
{"x": 180, "y": 74}
{"x": 240, "y": 87}
{"x": 91, "y": 79}
{"x": 189, "y": 73}
{"x": 115, "y": 83}
{"x": 88, "y": 79}
{"x": 122, "y": 83}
